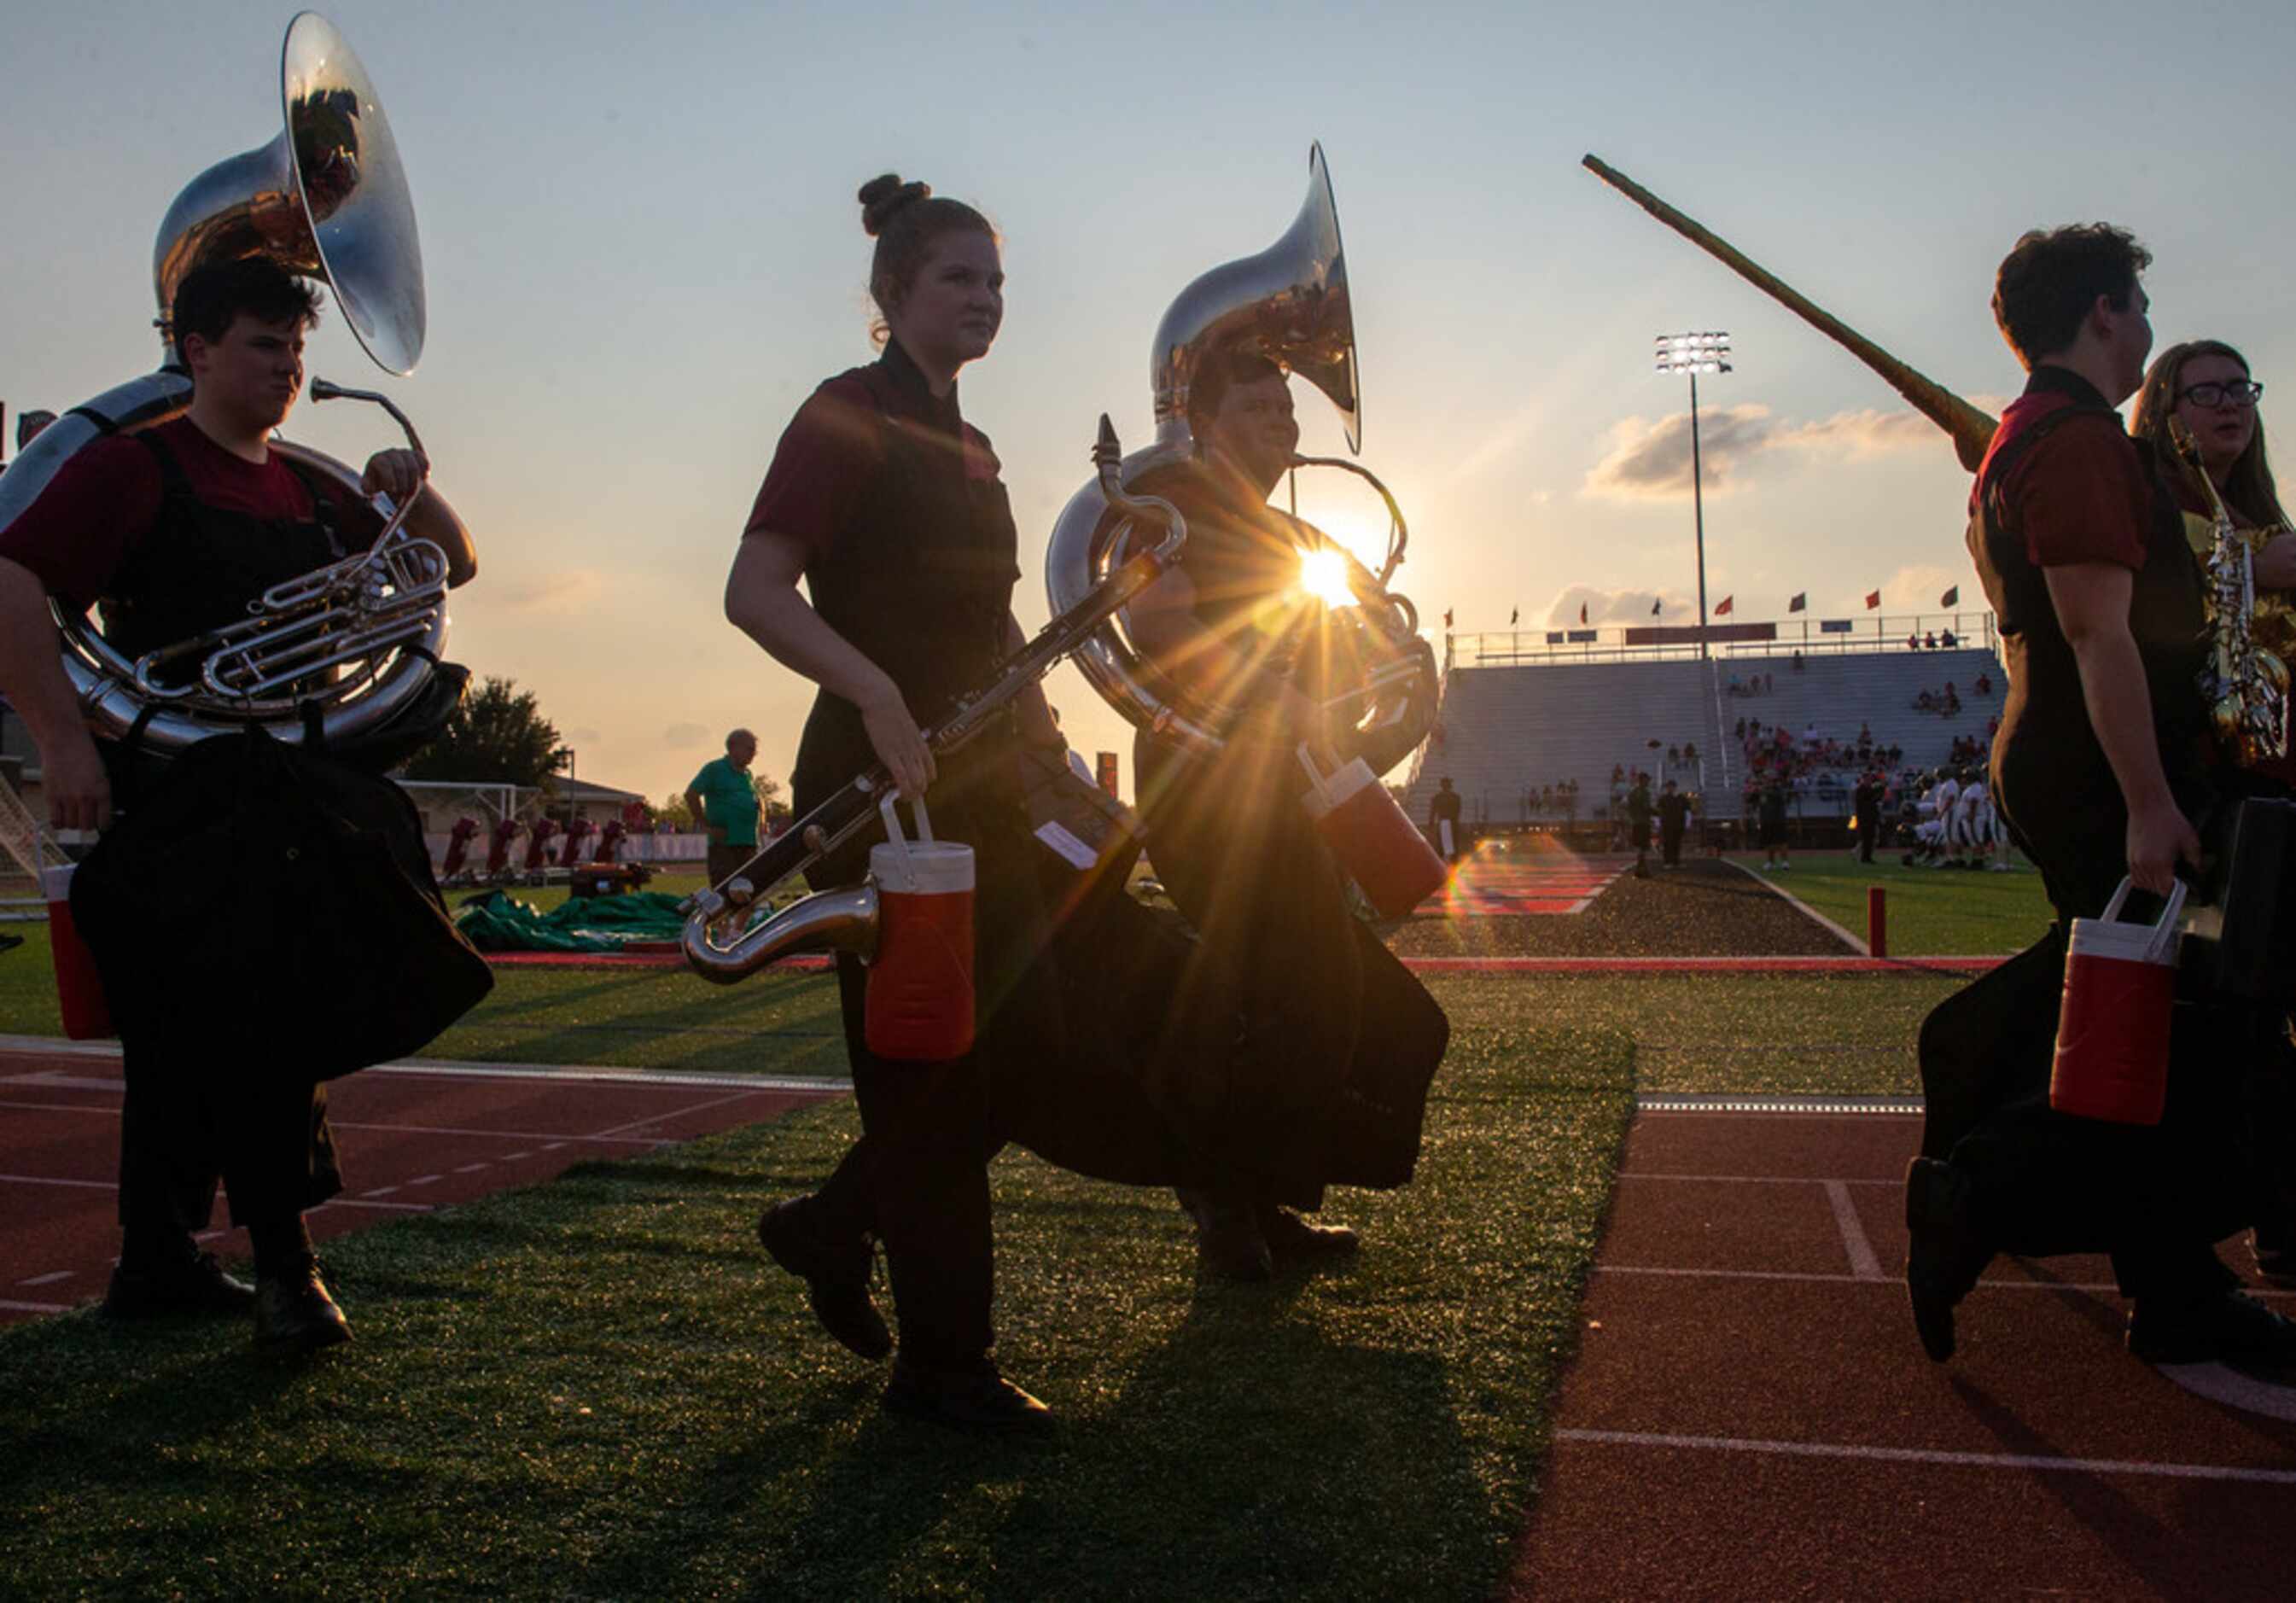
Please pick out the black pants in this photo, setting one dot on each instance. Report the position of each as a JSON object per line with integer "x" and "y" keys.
{"x": 1669, "y": 840}
{"x": 917, "y": 1179}
{"x": 1333, "y": 1042}
{"x": 2154, "y": 1198}
{"x": 193, "y": 1117}
{"x": 1868, "y": 827}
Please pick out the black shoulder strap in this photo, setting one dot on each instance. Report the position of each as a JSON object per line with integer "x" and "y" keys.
{"x": 173, "y": 483}
{"x": 324, "y": 510}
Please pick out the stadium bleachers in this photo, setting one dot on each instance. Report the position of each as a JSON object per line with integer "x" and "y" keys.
{"x": 1505, "y": 729}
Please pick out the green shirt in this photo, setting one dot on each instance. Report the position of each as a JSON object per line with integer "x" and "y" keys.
{"x": 731, "y": 801}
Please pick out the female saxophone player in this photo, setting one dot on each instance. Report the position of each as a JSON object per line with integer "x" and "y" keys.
{"x": 2206, "y": 384}
{"x": 887, "y": 503}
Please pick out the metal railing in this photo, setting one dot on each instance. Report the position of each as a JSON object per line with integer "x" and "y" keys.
{"x": 1872, "y": 634}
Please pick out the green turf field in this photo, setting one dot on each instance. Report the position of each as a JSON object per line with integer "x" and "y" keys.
{"x": 600, "y": 1388}
{"x": 1933, "y": 912}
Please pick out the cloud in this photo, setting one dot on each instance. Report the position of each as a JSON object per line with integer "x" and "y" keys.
{"x": 1619, "y": 606}
{"x": 1917, "y": 589}
{"x": 586, "y": 738}
{"x": 559, "y": 590}
{"x": 684, "y": 735}
{"x": 1651, "y": 460}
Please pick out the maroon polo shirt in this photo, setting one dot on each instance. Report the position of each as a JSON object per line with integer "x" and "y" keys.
{"x": 2081, "y": 495}
{"x": 834, "y": 449}
{"x": 106, "y": 499}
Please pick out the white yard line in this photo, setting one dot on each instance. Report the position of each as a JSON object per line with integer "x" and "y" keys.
{"x": 1807, "y": 911}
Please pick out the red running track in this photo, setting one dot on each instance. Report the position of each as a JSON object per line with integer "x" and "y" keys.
{"x": 414, "y": 1137}
{"x": 1750, "y": 1415}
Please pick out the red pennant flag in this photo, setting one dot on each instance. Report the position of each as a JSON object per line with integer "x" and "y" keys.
{"x": 1582, "y": 612}
{"x": 1723, "y": 609}
{"x": 1952, "y": 597}
{"x": 1872, "y": 599}
{"x": 1514, "y": 617}
{"x": 1800, "y": 603}
{"x": 1654, "y": 606}
{"x": 1447, "y": 617}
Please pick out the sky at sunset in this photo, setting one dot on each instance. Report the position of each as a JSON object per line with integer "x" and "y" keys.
{"x": 643, "y": 252}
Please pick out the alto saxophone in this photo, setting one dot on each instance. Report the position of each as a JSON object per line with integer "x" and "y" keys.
{"x": 2245, "y": 684}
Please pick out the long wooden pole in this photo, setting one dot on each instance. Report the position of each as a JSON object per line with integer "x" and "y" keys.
{"x": 1970, "y": 427}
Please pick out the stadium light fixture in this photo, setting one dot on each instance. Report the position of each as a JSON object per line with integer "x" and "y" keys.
{"x": 1692, "y": 354}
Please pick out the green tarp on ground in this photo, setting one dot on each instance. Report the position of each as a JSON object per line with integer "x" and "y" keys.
{"x": 500, "y": 923}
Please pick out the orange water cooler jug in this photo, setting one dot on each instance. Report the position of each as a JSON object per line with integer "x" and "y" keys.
{"x": 1370, "y": 835}
{"x": 919, "y": 1005}
{"x": 2112, "y": 1029}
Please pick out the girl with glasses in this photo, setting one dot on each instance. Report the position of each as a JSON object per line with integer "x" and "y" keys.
{"x": 2206, "y": 382}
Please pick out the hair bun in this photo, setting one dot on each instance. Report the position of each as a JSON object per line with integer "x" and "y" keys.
{"x": 883, "y": 197}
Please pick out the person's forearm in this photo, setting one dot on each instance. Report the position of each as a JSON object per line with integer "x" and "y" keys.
{"x": 784, "y": 623}
{"x": 695, "y": 809}
{"x": 2121, "y": 711}
{"x": 31, "y": 661}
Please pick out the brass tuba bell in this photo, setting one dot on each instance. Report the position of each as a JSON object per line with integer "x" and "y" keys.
{"x": 1289, "y": 303}
{"x": 326, "y": 198}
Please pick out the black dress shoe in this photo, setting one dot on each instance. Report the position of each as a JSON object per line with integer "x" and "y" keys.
{"x": 974, "y": 1398}
{"x": 2229, "y": 1328}
{"x": 1290, "y": 1237}
{"x": 294, "y": 1313}
{"x": 1948, "y": 1253}
{"x": 1229, "y": 1246}
{"x": 836, "y": 1276}
{"x": 191, "y": 1285}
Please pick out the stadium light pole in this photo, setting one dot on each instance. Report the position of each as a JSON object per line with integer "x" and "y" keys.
{"x": 1694, "y": 354}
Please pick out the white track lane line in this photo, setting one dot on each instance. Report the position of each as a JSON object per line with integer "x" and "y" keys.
{"x": 1863, "y": 1264}
{"x": 1923, "y": 1455}
{"x": 49, "y": 1279}
{"x": 2233, "y": 1389}
{"x": 700, "y": 1107}
{"x": 34, "y": 1307}
{"x": 2087, "y": 1287}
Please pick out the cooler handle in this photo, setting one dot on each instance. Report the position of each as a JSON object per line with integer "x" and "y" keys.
{"x": 1315, "y": 776}
{"x": 893, "y": 836}
{"x": 2164, "y": 931}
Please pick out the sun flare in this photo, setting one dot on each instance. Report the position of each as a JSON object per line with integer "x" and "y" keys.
{"x": 1324, "y": 574}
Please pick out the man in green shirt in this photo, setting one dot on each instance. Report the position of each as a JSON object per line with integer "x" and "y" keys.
{"x": 724, "y": 802}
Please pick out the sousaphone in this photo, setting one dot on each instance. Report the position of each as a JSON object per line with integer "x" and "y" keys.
{"x": 349, "y": 648}
{"x": 1289, "y": 303}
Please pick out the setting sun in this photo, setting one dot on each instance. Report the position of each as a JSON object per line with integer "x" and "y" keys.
{"x": 1324, "y": 574}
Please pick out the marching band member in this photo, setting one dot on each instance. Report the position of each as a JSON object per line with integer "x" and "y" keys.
{"x": 2206, "y": 383}
{"x": 887, "y": 504}
{"x": 1320, "y": 1001}
{"x": 175, "y": 529}
{"x": 2100, "y": 767}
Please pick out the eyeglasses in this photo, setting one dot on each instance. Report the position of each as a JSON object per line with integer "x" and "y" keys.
{"x": 2240, "y": 393}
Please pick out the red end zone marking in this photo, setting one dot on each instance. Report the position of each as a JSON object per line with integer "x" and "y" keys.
{"x": 1431, "y": 966}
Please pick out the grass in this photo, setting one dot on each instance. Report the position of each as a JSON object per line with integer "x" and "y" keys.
{"x": 1933, "y": 912}
{"x": 598, "y": 1388}
{"x": 1704, "y": 1032}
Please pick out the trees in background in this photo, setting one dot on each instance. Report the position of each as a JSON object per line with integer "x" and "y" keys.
{"x": 497, "y": 736}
